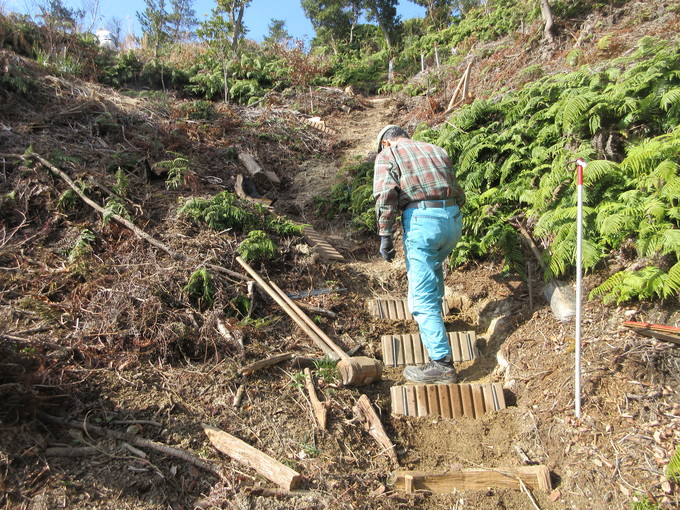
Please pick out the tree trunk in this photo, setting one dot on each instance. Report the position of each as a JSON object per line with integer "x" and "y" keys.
{"x": 546, "y": 13}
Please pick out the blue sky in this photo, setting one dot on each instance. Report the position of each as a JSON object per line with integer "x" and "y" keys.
{"x": 257, "y": 16}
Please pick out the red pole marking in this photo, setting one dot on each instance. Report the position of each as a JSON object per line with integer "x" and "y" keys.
{"x": 580, "y": 164}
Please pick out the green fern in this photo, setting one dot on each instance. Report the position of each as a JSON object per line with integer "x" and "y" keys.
{"x": 201, "y": 287}
{"x": 177, "y": 168}
{"x": 82, "y": 248}
{"x": 257, "y": 247}
{"x": 284, "y": 227}
{"x": 114, "y": 207}
{"x": 222, "y": 212}
{"x": 122, "y": 183}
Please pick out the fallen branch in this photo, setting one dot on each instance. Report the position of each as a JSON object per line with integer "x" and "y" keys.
{"x": 242, "y": 452}
{"x": 365, "y": 412}
{"x": 263, "y": 363}
{"x": 126, "y": 223}
{"x": 138, "y": 441}
{"x": 320, "y": 410}
{"x": 71, "y": 451}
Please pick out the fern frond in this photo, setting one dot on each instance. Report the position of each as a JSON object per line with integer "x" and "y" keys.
{"x": 82, "y": 247}
{"x": 200, "y": 286}
{"x": 257, "y": 246}
{"x": 671, "y": 287}
{"x": 598, "y": 170}
{"x": 671, "y": 98}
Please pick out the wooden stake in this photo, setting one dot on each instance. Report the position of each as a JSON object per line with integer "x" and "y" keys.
{"x": 408, "y": 484}
{"x": 242, "y": 452}
{"x": 320, "y": 410}
{"x": 364, "y": 410}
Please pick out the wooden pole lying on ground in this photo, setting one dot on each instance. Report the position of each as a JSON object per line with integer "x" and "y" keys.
{"x": 536, "y": 477}
{"x": 364, "y": 410}
{"x": 355, "y": 371}
{"x": 320, "y": 410}
{"x": 280, "y": 301}
{"x": 242, "y": 452}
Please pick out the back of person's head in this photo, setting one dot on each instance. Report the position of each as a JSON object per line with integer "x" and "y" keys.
{"x": 395, "y": 133}
{"x": 390, "y": 132}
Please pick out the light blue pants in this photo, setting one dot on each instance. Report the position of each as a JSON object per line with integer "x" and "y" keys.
{"x": 430, "y": 235}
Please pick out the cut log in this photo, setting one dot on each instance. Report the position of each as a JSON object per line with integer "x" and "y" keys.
{"x": 242, "y": 452}
{"x": 320, "y": 410}
{"x": 536, "y": 477}
{"x": 245, "y": 189}
{"x": 364, "y": 410}
{"x": 259, "y": 175}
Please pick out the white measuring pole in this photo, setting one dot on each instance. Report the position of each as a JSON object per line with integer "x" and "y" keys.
{"x": 580, "y": 165}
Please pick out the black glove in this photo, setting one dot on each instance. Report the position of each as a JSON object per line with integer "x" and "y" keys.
{"x": 387, "y": 248}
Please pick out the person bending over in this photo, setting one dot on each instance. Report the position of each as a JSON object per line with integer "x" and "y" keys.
{"x": 417, "y": 179}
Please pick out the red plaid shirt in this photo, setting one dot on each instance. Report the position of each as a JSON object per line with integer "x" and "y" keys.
{"x": 410, "y": 171}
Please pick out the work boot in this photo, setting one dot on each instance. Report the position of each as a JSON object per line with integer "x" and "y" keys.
{"x": 435, "y": 372}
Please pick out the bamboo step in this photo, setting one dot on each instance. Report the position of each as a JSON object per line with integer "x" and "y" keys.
{"x": 395, "y": 309}
{"x": 447, "y": 400}
{"x": 323, "y": 247}
{"x": 398, "y": 350}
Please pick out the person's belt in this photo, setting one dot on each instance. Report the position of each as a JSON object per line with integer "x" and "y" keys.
{"x": 427, "y": 204}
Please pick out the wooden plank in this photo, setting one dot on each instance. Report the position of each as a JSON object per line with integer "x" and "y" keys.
{"x": 400, "y": 358}
{"x": 433, "y": 399}
{"x": 323, "y": 247}
{"x": 421, "y": 400}
{"x": 498, "y": 393}
{"x": 535, "y": 477}
{"x": 456, "y": 401}
{"x": 399, "y": 310}
{"x": 242, "y": 452}
{"x": 387, "y": 342}
{"x": 465, "y": 352}
{"x": 417, "y": 351}
{"x": 466, "y": 399}
{"x": 397, "y": 394}
{"x": 411, "y": 406}
{"x": 408, "y": 484}
{"x": 412, "y": 343}
{"x": 392, "y": 309}
{"x": 478, "y": 400}
{"x": 444, "y": 400}
{"x": 456, "y": 353}
{"x": 471, "y": 337}
{"x": 409, "y": 358}
{"x": 490, "y": 403}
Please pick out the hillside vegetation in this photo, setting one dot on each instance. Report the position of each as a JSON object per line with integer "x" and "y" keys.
{"x": 122, "y": 304}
